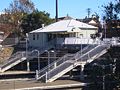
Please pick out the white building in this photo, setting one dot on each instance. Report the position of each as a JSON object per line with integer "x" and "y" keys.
{"x": 63, "y": 32}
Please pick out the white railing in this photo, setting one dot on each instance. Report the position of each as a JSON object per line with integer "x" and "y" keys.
{"x": 61, "y": 60}
{"x": 65, "y": 66}
{"x": 51, "y": 66}
{"x": 87, "y": 53}
{"x": 113, "y": 41}
{"x": 22, "y": 54}
{"x": 77, "y": 40}
{"x": 92, "y": 52}
{"x": 15, "y": 57}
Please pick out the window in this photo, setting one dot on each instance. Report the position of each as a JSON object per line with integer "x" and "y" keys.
{"x": 37, "y": 36}
{"x": 33, "y": 36}
{"x": 81, "y": 35}
{"x": 92, "y": 36}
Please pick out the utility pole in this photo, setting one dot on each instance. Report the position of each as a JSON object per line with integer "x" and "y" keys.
{"x": 105, "y": 28}
{"x": 56, "y": 17}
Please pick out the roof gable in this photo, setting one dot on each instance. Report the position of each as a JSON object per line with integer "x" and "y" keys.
{"x": 92, "y": 22}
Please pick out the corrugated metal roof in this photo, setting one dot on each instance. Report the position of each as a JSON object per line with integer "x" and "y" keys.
{"x": 63, "y": 26}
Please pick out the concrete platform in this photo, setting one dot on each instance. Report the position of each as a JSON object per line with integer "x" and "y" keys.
{"x": 15, "y": 84}
{"x": 16, "y": 72}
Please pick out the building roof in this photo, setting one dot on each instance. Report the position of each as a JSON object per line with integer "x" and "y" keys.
{"x": 65, "y": 18}
{"x": 64, "y": 26}
{"x": 92, "y": 22}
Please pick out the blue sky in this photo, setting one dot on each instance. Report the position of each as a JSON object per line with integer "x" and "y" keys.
{"x": 74, "y": 8}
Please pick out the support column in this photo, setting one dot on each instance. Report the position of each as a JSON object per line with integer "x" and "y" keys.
{"x": 82, "y": 73}
{"x": 55, "y": 65}
{"x": 46, "y": 77}
{"x": 36, "y": 74}
{"x": 70, "y": 74}
{"x": 28, "y": 65}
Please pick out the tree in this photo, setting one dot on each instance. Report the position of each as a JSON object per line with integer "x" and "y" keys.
{"x": 111, "y": 18}
{"x": 109, "y": 11}
{"x": 117, "y": 7}
{"x": 15, "y": 12}
{"x": 109, "y": 14}
{"x": 21, "y": 6}
{"x": 112, "y": 11}
{"x": 35, "y": 20}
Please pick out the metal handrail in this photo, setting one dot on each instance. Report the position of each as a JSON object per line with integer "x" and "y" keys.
{"x": 42, "y": 72}
{"x": 62, "y": 58}
{"x": 92, "y": 53}
{"x": 52, "y": 64}
{"x": 21, "y": 54}
{"x": 89, "y": 50}
{"x": 12, "y": 59}
{"x": 17, "y": 54}
{"x": 93, "y": 50}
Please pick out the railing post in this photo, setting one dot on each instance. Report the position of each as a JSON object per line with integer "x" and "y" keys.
{"x": 28, "y": 65}
{"x": 22, "y": 54}
{"x": 76, "y": 57}
{"x": 64, "y": 59}
{"x": 55, "y": 65}
{"x": 0, "y": 69}
{"x": 88, "y": 57}
{"x": 82, "y": 73}
{"x": 36, "y": 74}
{"x": 46, "y": 77}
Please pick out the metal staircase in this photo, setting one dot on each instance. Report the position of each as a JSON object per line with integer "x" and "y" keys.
{"x": 12, "y": 61}
{"x": 70, "y": 61}
{"x": 21, "y": 56}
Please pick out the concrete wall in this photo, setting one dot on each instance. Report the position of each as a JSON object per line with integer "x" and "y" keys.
{"x": 86, "y": 33}
{"x": 39, "y": 40}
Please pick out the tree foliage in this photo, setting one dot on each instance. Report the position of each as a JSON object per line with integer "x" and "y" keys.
{"x": 35, "y": 20}
{"x": 16, "y": 11}
{"x": 112, "y": 11}
{"x": 20, "y": 6}
{"x": 109, "y": 11}
{"x": 111, "y": 18}
{"x": 117, "y": 6}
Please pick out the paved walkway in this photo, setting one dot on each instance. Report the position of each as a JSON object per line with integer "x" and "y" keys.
{"x": 32, "y": 84}
{"x": 15, "y": 72}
